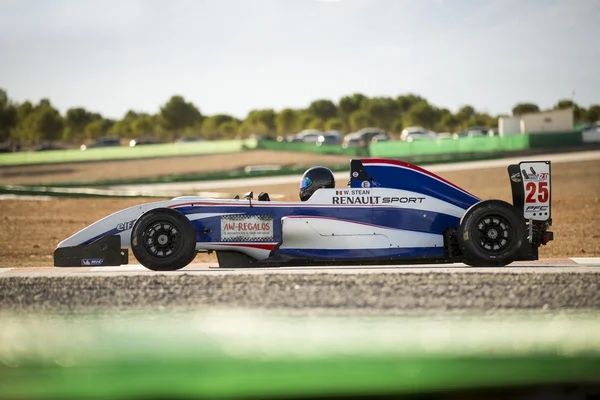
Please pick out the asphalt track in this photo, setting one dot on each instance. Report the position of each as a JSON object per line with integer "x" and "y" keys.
{"x": 552, "y": 284}
{"x": 554, "y": 265}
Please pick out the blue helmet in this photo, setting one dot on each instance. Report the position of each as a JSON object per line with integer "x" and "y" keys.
{"x": 313, "y": 179}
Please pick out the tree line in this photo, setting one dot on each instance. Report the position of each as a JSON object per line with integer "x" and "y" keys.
{"x": 34, "y": 123}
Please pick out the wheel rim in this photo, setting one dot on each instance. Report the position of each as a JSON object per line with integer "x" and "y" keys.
{"x": 493, "y": 233}
{"x": 161, "y": 239}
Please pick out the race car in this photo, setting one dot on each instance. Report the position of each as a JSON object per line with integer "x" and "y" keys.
{"x": 391, "y": 212}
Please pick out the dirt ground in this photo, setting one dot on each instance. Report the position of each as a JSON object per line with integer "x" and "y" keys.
{"x": 32, "y": 229}
{"x": 99, "y": 171}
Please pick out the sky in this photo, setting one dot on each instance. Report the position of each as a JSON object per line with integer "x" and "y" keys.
{"x": 232, "y": 56}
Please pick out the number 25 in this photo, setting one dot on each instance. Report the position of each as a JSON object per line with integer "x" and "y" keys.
{"x": 531, "y": 189}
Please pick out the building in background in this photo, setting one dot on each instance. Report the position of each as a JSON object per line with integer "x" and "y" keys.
{"x": 548, "y": 121}
{"x": 545, "y": 121}
{"x": 509, "y": 126}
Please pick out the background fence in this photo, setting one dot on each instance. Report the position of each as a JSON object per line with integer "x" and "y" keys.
{"x": 442, "y": 149}
{"x": 460, "y": 149}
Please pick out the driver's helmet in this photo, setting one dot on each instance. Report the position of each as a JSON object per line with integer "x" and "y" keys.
{"x": 315, "y": 178}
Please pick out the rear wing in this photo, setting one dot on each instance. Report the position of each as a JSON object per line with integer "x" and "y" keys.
{"x": 532, "y": 190}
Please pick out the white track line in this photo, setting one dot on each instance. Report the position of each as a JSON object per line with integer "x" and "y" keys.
{"x": 122, "y": 268}
{"x": 590, "y": 261}
{"x": 564, "y": 265}
{"x": 295, "y": 271}
{"x": 24, "y": 197}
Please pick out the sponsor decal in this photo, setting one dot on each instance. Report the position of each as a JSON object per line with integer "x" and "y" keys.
{"x": 125, "y": 226}
{"x": 92, "y": 261}
{"x": 402, "y": 200}
{"x": 353, "y": 192}
{"x": 356, "y": 200}
{"x": 534, "y": 176}
{"x": 365, "y": 184}
{"x": 516, "y": 177}
{"x": 536, "y": 208}
{"x": 244, "y": 228}
{"x": 355, "y": 174}
{"x": 536, "y": 185}
{"x": 376, "y": 200}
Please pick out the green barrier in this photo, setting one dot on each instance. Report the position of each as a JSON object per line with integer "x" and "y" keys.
{"x": 391, "y": 149}
{"x": 463, "y": 148}
{"x": 228, "y": 354}
{"x": 555, "y": 139}
{"x": 514, "y": 142}
{"x": 450, "y": 147}
{"x": 124, "y": 152}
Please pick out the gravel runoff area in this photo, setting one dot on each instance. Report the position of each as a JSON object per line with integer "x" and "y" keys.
{"x": 373, "y": 292}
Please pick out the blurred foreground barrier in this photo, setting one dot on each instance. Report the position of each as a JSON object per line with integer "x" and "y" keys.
{"x": 124, "y": 153}
{"x": 133, "y": 355}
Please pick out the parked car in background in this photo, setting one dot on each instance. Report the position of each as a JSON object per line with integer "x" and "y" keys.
{"x": 380, "y": 137}
{"x": 592, "y": 133}
{"x": 363, "y": 137}
{"x": 308, "y": 136}
{"x": 48, "y": 146}
{"x": 329, "y": 138}
{"x": 446, "y": 135}
{"x": 189, "y": 140}
{"x": 416, "y": 133}
{"x": 367, "y": 134}
{"x": 351, "y": 140}
{"x": 595, "y": 127}
{"x": 9, "y": 147}
{"x": 474, "y": 131}
{"x": 142, "y": 141}
{"x": 103, "y": 142}
{"x": 288, "y": 138}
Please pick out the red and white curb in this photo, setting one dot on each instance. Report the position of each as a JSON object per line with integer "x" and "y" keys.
{"x": 551, "y": 265}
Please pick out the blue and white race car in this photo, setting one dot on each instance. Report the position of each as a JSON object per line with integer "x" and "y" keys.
{"x": 391, "y": 212}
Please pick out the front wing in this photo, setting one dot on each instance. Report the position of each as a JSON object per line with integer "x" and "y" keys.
{"x": 105, "y": 251}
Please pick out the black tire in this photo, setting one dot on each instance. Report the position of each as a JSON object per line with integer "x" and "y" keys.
{"x": 163, "y": 240}
{"x": 491, "y": 233}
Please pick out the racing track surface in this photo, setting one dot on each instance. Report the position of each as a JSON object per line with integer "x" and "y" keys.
{"x": 545, "y": 284}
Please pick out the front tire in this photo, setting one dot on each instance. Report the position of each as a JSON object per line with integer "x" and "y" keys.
{"x": 163, "y": 239}
{"x": 491, "y": 234}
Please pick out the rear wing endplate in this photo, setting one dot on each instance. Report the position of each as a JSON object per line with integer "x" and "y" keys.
{"x": 531, "y": 189}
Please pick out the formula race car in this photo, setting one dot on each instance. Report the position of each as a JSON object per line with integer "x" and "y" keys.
{"x": 391, "y": 212}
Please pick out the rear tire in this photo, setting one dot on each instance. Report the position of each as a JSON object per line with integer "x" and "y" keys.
{"x": 163, "y": 239}
{"x": 491, "y": 233}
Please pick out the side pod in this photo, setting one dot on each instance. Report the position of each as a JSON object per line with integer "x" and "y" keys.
{"x": 105, "y": 251}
